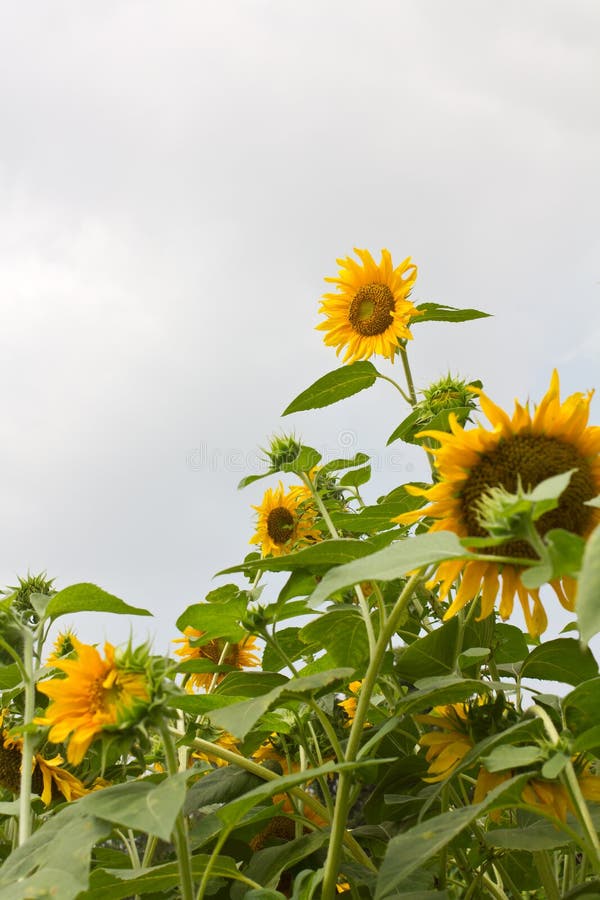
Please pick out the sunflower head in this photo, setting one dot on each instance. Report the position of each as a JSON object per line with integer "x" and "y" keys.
{"x": 522, "y": 450}
{"x": 216, "y": 651}
{"x": 370, "y": 312}
{"x": 285, "y": 521}
{"x": 65, "y": 645}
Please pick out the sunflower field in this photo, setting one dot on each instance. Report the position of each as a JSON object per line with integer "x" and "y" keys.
{"x": 352, "y": 711}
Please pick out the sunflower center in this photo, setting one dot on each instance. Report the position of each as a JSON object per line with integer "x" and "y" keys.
{"x": 280, "y": 525}
{"x": 371, "y": 309}
{"x": 531, "y": 458}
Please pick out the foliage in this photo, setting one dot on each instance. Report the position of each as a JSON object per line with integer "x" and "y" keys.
{"x": 386, "y": 744}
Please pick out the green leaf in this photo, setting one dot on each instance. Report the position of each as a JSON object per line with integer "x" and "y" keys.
{"x": 322, "y": 555}
{"x": 140, "y": 805}
{"x": 581, "y": 706}
{"x": 306, "y": 460}
{"x": 46, "y": 884}
{"x": 87, "y": 597}
{"x": 375, "y": 518}
{"x": 290, "y": 645}
{"x": 10, "y": 677}
{"x": 240, "y": 718}
{"x": 539, "y": 835}
{"x": 249, "y": 684}
{"x": 588, "y": 591}
{"x": 554, "y": 766}
{"x": 215, "y": 620}
{"x": 250, "y": 479}
{"x": 68, "y": 838}
{"x": 219, "y": 786}
{"x": 440, "y": 691}
{"x": 334, "y": 465}
{"x": 588, "y": 740}
{"x": 434, "y": 654}
{"x": 560, "y": 660}
{"x": 512, "y": 646}
{"x": 473, "y": 656}
{"x": 551, "y": 488}
{"x": 392, "y": 562}
{"x": 356, "y": 477}
{"x": 267, "y": 866}
{"x": 439, "y": 312}
{"x": 406, "y": 429}
{"x": 410, "y": 850}
{"x": 506, "y": 757}
{"x": 342, "y": 633}
{"x": 566, "y": 552}
{"x": 226, "y": 594}
{"x": 116, "y": 884}
{"x": 336, "y": 385}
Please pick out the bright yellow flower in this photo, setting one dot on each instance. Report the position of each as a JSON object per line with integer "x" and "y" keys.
{"x": 370, "y": 313}
{"x": 241, "y": 655}
{"x": 529, "y": 447}
{"x": 48, "y": 778}
{"x": 285, "y": 521}
{"x": 349, "y": 705}
{"x": 96, "y": 694}
{"x": 449, "y": 743}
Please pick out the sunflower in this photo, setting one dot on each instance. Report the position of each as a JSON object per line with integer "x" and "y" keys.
{"x": 349, "y": 705}
{"x": 370, "y": 312}
{"x": 285, "y": 520}
{"x": 48, "y": 778}
{"x": 240, "y": 655}
{"x": 96, "y": 694}
{"x": 522, "y": 450}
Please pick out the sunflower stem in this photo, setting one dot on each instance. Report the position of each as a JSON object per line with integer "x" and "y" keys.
{"x": 397, "y": 386}
{"x": 342, "y": 800}
{"x": 364, "y": 606}
{"x": 546, "y": 872}
{"x": 28, "y": 738}
{"x": 408, "y": 374}
{"x": 180, "y": 831}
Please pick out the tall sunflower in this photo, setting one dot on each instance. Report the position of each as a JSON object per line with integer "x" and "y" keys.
{"x": 522, "y": 450}
{"x": 285, "y": 520}
{"x": 370, "y": 312}
{"x": 242, "y": 654}
{"x": 96, "y": 694}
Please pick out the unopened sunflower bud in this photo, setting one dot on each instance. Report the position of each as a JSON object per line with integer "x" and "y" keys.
{"x": 503, "y": 514}
{"x": 449, "y": 394}
{"x": 282, "y": 451}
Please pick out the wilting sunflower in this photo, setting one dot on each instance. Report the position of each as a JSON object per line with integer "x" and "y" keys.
{"x": 285, "y": 520}
{"x": 370, "y": 312}
{"x": 48, "y": 778}
{"x": 240, "y": 655}
{"x": 522, "y": 450}
{"x": 96, "y": 694}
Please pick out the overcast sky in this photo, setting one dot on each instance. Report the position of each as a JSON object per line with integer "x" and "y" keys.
{"x": 176, "y": 179}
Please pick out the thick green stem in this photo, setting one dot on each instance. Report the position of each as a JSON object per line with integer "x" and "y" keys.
{"x": 545, "y": 869}
{"x": 408, "y": 374}
{"x": 180, "y": 832}
{"x": 340, "y": 816}
{"x": 28, "y": 739}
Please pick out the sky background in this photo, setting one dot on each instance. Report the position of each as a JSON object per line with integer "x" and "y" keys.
{"x": 176, "y": 180}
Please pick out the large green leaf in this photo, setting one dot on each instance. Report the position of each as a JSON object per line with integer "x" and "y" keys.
{"x": 267, "y": 866}
{"x": 342, "y": 633}
{"x": 588, "y": 590}
{"x": 560, "y": 660}
{"x": 215, "y": 620}
{"x": 434, "y": 654}
{"x": 66, "y": 839}
{"x": 539, "y": 834}
{"x": 336, "y": 385}
{"x": 116, "y": 884}
{"x": 140, "y": 805}
{"x": 46, "y": 884}
{"x": 376, "y": 517}
{"x": 240, "y": 718}
{"x": 87, "y": 597}
{"x": 410, "y": 850}
{"x": 392, "y": 562}
{"x": 321, "y": 556}
{"x": 581, "y": 706}
{"x": 439, "y": 312}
